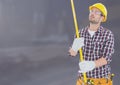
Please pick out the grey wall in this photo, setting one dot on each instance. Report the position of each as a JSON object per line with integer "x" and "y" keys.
{"x": 35, "y": 36}
{"x": 23, "y": 22}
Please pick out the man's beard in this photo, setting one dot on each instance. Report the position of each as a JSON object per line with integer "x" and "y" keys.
{"x": 93, "y": 22}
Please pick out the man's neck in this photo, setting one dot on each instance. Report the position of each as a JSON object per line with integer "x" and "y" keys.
{"x": 94, "y": 27}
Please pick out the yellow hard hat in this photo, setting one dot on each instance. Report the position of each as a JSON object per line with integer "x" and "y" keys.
{"x": 102, "y": 8}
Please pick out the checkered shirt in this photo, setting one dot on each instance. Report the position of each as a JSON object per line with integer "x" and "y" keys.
{"x": 100, "y": 45}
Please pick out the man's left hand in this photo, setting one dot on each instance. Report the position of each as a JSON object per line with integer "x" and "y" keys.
{"x": 86, "y": 66}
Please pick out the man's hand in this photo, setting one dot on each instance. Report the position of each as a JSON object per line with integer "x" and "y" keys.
{"x": 86, "y": 66}
{"x": 72, "y": 52}
{"x": 77, "y": 44}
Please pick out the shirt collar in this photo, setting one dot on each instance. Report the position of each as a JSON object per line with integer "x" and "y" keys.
{"x": 98, "y": 31}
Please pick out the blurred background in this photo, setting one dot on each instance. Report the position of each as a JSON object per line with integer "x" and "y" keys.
{"x": 35, "y": 36}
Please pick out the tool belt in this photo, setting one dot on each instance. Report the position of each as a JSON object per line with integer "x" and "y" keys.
{"x": 94, "y": 81}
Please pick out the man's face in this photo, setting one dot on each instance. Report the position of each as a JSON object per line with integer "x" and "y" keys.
{"x": 95, "y": 16}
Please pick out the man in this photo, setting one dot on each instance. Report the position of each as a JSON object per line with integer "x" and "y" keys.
{"x": 97, "y": 45}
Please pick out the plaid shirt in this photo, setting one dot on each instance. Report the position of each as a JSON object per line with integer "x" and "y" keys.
{"x": 100, "y": 45}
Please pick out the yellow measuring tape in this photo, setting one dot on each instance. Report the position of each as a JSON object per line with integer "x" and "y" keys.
{"x": 78, "y": 35}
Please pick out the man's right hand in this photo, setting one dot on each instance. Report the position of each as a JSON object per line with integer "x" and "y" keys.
{"x": 77, "y": 44}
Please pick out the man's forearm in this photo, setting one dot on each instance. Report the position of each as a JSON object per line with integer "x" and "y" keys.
{"x": 72, "y": 52}
{"x": 100, "y": 62}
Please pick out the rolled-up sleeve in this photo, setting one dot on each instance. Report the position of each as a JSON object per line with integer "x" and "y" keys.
{"x": 108, "y": 47}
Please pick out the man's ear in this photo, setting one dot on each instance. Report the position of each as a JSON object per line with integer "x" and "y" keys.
{"x": 102, "y": 18}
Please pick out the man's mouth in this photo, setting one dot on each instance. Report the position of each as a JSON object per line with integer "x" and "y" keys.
{"x": 91, "y": 16}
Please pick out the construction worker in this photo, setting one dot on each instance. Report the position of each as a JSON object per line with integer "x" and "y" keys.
{"x": 97, "y": 45}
